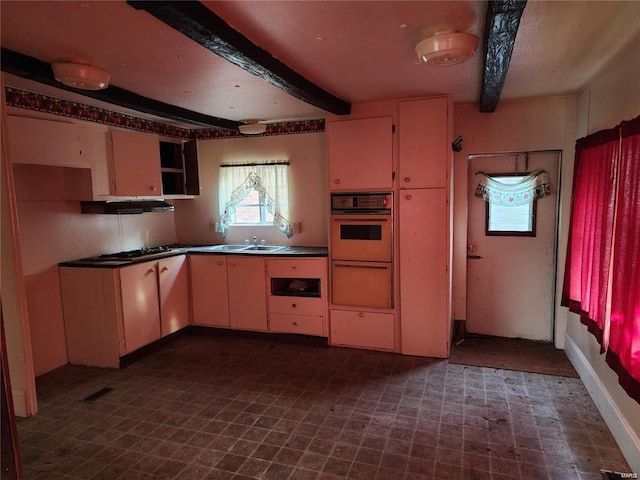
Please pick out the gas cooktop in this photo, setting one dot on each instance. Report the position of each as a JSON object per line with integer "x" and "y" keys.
{"x": 140, "y": 252}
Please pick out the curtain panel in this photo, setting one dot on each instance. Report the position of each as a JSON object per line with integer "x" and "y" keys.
{"x": 530, "y": 188}
{"x": 602, "y": 271}
{"x": 269, "y": 180}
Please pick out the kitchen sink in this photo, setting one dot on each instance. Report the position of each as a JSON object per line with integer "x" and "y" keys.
{"x": 228, "y": 248}
{"x": 263, "y": 248}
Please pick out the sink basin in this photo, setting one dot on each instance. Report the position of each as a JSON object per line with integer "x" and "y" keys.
{"x": 228, "y": 248}
{"x": 263, "y": 248}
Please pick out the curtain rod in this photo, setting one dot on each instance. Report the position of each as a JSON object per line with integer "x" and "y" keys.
{"x": 510, "y": 154}
{"x": 252, "y": 164}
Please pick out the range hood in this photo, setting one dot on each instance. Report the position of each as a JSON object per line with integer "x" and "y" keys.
{"x": 126, "y": 207}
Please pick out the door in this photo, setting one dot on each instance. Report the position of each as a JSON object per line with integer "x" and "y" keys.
{"x": 511, "y": 277}
{"x": 209, "y": 290}
{"x": 361, "y": 237}
{"x": 140, "y": 312}
{"x": 173, "y": 278}
{"x": 136, "y": 163}
{"x": 247, "y": 293}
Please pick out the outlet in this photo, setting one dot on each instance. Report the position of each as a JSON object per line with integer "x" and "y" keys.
{"x": 213, "y": 226}
{"x": 296, "y": 227}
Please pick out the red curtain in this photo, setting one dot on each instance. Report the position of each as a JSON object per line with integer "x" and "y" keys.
{"x": 602, "y": 271}
{"x": 623, "y": 354}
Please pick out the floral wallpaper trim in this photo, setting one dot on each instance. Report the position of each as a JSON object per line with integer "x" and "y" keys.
{"x": 43, "y": 103}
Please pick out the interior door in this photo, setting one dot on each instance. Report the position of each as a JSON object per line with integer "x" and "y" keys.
{"x": 511, "y": 279}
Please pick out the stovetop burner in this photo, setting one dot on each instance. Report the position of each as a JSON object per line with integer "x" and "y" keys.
{"x": 140, "y": 252}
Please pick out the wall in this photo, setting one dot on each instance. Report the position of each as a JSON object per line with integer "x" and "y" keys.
{"x": 611, "y": 97}
{"x": 546, "y": 123}
{"x": 308, "y": 194}
{"x": 53, "y": 230}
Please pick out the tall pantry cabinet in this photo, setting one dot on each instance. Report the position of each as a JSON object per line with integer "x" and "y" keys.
{"x": 425, "y": 157}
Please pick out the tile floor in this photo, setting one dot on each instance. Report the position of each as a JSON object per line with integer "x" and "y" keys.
{"x": 204, "y": 408}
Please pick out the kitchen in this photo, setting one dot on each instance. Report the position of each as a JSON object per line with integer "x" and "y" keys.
{"x": 191, "y": 222}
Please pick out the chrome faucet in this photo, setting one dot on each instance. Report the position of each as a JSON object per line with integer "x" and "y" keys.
{"x": 255, "y": 241}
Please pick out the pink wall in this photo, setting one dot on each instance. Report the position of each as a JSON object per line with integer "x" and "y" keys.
{"x": 53, "y": 230}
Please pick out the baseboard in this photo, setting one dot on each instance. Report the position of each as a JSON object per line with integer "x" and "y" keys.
{"x": 19, "y": 398}
{"x": 627, "y": 439}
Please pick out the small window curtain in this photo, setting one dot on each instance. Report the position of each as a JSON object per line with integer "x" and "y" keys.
{"x": 269, "y": 180}
{"x": 530, "y": 188}
{"x": 602, "y": 271}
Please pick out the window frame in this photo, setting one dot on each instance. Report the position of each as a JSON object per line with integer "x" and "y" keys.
{"x": 511, "y": 233}
{"x": 263, "y": 213}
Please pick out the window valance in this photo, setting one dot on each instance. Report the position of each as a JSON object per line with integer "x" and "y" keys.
{"x": 531, "y": 187}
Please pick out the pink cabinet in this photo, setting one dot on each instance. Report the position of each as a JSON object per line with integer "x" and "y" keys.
{"x": 424, "y": 273}
{"x": 424, "y": 143}
{"x": 140, "y": 314}
{"x": 362, "y": 329}
{"x": 209, "y": 290}
{"x": 360, "y": 154}
{"x": 247, "y": 292}
{"x": 135, "y": 164}
{"x": 173, "y": 282}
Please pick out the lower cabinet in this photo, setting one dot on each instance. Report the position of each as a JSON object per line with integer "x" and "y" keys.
{"x": 209, "y": 290}
{"x": 110, "y": 312}
{"x": 247, "y": 293}
{"x": 362, "y": 329}
{"x": 297, "y": 295}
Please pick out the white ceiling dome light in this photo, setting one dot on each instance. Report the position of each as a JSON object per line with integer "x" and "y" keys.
{"x": 447, "y": 47}
{"x": 77, "y": 75}
{"x": 252, "y": 127}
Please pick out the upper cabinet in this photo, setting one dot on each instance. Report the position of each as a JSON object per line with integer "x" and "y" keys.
{"x": 44, "y": 142}
{"x": 360, "y": 154}
{"x": 424, "y": 143}
{"x": 134, "y": 164}
{"x": 179, "y": 167}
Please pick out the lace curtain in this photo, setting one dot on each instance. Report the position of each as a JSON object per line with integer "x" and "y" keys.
{"x": 271, "y": 183}
{"x": 533, "y": 186}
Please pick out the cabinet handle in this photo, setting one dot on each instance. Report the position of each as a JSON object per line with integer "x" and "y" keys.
{"x": 293, "y": 268}
{"x": 407, "y": 179}
{"x": 164, "y": 269}
{"x": 295, "y": 324}
{"x": 293, "y": 305}
{"x": 337, "y": 181}
{"x": 220, "y": 262}
{"x": 361, "y": 314}
{"x": 408, "y": 197}
{"x": 151, "y": 270}
{"x": 233, "y": 264}
{"x": 153, "y": 188}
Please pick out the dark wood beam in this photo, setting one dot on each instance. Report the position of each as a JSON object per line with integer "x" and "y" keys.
{"x": 200, "y": 24}
{"x": 33, "y": 69}
{"x": 503, "y": 19}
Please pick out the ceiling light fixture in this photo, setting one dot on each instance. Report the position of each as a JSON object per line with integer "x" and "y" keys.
{"x": 252, "y": 127}
{"x": 447, "y": 47}
{"x": 83, "y": 77}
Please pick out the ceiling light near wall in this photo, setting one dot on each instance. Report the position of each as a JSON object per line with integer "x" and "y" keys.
{"x": 447, "y": 47}
{"x": 252, "y": 127}
{"x": 83, "y": 77}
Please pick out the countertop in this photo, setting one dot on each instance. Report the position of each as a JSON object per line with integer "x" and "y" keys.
{"x": 288, "y": 251}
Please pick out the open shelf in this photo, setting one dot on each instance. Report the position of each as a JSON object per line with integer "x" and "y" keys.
{"x": 296, "y": 287}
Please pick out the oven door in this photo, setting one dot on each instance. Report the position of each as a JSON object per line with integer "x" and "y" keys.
{"x": 361, "y": 284}
{"x": 361, "y": 237}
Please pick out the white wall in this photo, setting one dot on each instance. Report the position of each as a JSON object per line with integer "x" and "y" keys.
{"x": 546, "y": 123}
{"x": 308, "y": 192}
{"x": 611, "y": 97}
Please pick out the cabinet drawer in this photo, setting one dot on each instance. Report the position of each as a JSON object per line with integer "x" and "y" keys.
{"x": 362, "y": 329}
{"x": 296, "y": 268}
{"x": 295, "y": 305}
{"x": 306, "y": 325}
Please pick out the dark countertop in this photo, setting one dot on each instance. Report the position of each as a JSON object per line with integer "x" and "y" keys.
{"x": 289, "y": 251}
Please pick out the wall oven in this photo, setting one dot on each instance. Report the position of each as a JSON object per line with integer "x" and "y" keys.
{"x": 361, "y": 249}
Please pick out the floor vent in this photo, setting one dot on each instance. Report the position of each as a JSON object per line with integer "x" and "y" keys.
{"x": 96, "y": 395}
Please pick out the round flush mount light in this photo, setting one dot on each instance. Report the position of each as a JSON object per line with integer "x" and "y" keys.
{"x": 252, "y": 127}
{"x": 83, "y": 77}
{"x": 447, "y": 47}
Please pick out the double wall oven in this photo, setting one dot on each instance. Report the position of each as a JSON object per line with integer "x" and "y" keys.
{"x": 361, "y": 249}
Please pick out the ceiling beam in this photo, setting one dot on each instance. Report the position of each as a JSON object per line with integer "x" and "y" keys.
{"x": 201, "y": 25}
{"x": 503, "y": 19}
{"x": 33, "y": 69}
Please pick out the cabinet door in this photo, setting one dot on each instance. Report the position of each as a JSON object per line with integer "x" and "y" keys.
{"x": 140, "y": 313}
{"x": 362, "y": 329}
{"x": 424, "y": 143}
{"x": 43, "y": 142}
{"x": 424, "y": 279}
{"x": 173, "y": 279}
{"x": 247, "y": 293}
{"x": 360, "y": 154}
{"x": 209, "y": 292}
{"x": 135, "y": 163}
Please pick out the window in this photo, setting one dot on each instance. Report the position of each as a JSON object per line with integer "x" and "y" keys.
{"x": 508, "y": 220}
{"x": 254, "y": 194}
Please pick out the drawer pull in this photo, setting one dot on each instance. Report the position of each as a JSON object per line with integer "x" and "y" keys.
{"x": 408, "y": 197}
{"x": 233, "y": 264}
{"x": 295, "y": 324}
{"x": 293, "y": 305}
{"x": 337, "y": 181}
{"x": 293, "y": 268}
{"x": 220, "y": 262}
{"x": 164, "y": 269}
{"x": 361, "y": 314}
{"x": 407, "y": 179}
{"x": 152, "y": 188}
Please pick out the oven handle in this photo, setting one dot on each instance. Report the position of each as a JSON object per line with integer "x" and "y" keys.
{"x": 363, "y": 220}
{"x": 346, "y": 265}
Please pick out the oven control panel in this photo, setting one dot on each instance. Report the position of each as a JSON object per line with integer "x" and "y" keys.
{"x": 361, "y": 202}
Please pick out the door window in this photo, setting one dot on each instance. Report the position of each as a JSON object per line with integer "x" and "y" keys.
{"x": 507, "y": 220}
